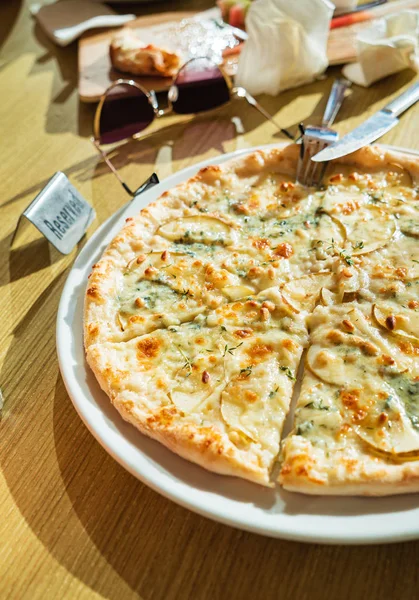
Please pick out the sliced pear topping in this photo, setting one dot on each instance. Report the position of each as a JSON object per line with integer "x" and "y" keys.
{"x": 198, "y": 229}
{"x": 236, "y": 292}
{"x": 329, "y": 298}
{"x": 330, "y": 228}
{"x": 367, "y": 228}
{"x": 344, "y": 203}
{"x": 404, "y": 177}
{"x": 410, "y": 228}
{"x": 370, "y": 333}
{"x": 385, "y": 425}
{"x": 233, "y": 409}
{"x": 330, "y": 366}
{"x": 290, "y": 305}
{"x": 304, "y": 293}
{"x": 351, "y": 279}
{"x": 400, "y": 457}
{"x": 122, "y": 321}
{"x": 142, "y": 262}
{"x": 254, "y": 410}
{"x": 370, "y": 229}
{"x": 343, "y": 234}
{"x": 397, "y": 321}
{"x": 400, "y": 439}
{"x": 185, "y": 402}
{"x": 197, "y": 379}
{"x": 347, "y": 351}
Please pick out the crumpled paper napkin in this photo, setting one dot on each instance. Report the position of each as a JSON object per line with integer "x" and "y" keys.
{"x": 390, "y": 45}
{"x": 286, "y": 46}
{"x": 65, "y": 21}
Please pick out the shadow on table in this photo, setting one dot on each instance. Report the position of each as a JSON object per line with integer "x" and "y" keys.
{"x": 192, "y": 138}
{"x": 25, "y": 259}
{"x": 29, "y": 258}
{"x": 8, "y": 19}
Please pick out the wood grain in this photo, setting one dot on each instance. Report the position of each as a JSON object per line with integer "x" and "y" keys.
{"x": 74, "y": 523}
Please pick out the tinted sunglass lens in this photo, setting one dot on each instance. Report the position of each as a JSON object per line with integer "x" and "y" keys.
{"x": 125, "y": 112}
{"x": 199, "y": 86}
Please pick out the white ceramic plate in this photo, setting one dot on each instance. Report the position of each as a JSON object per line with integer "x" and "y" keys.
{"x": 276, "y": 513}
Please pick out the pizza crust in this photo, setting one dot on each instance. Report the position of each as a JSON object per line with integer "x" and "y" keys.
{"x": 205, "y": 447}
{"x": 368, "y": 476}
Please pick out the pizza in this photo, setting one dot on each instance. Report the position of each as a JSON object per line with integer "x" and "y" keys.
{"x": 129, "y": 54}
{"x": 240, "y": 296}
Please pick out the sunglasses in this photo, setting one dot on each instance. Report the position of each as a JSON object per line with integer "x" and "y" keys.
{"x": 127, "y": 108}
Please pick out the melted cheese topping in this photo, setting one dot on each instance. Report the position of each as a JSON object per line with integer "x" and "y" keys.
{"x": 206, "y": 310}
{"x": 234, "y": 369}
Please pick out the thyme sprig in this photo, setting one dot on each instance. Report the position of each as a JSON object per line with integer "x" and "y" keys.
{"x": 288, "y": 372}
{"x": 346, "y": 257}
{"x": 247, "y": 371}
{"x": 230, "y": 350}
{"x": 188, "y": 363}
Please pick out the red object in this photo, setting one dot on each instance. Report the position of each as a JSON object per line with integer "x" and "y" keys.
{"x": 236, "y": 16}
{"x": 357, "y": 17}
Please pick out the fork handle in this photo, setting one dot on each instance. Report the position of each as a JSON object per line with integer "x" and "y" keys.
{"x": 336, "y": 98}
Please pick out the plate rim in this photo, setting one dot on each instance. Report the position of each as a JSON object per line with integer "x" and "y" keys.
{"x": 63, "y": 331}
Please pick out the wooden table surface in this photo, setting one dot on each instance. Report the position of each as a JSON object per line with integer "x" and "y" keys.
{"x": 74, "y": 524}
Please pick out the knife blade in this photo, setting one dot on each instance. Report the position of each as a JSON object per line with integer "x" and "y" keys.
{"x": 372, "y": 129}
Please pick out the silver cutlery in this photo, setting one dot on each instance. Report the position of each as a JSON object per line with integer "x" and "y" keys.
{"x": 315, "y": 139}
{"x": 373, "y": 128}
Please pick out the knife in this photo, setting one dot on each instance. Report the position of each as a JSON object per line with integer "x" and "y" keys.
{"x": 372, "y": 129}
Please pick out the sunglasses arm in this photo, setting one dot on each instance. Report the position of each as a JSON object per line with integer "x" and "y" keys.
{"x": 112, "y": 168}
{"x": 242, "y": 93}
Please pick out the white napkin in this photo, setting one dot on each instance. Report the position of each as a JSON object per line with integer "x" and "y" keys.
{"x": 390, "y": 45}
{"x": 65, "y": 21}
{"x": 286, "y": 46}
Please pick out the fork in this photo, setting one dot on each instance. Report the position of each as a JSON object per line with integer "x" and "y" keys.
{"x": 315, "y": 139}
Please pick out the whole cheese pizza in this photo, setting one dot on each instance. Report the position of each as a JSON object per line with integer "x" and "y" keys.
{"x": 240, "y": 294}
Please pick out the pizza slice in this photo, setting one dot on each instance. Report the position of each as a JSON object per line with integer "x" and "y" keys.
{"x": 130, "y": 55}
{"x": 356, "y": 428}
{"x": 215, "y": 390}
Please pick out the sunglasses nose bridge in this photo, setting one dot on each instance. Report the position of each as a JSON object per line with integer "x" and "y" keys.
{"x": 159, "y": 112}
{"x": 152, "y": 98}
{"x": 164, "y": 111}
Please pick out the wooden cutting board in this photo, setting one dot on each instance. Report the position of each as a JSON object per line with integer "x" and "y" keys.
{"x": 341, "y": 46}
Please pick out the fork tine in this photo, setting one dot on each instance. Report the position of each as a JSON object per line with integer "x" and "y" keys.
{"x": 309, "y": 164}
{"x": 316, "y": 170}
{"x": 308, "y": 167}
{"x": 310, "y": 173}
{"x": 311, "y": 167}
{"x": 315, "y": 139}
